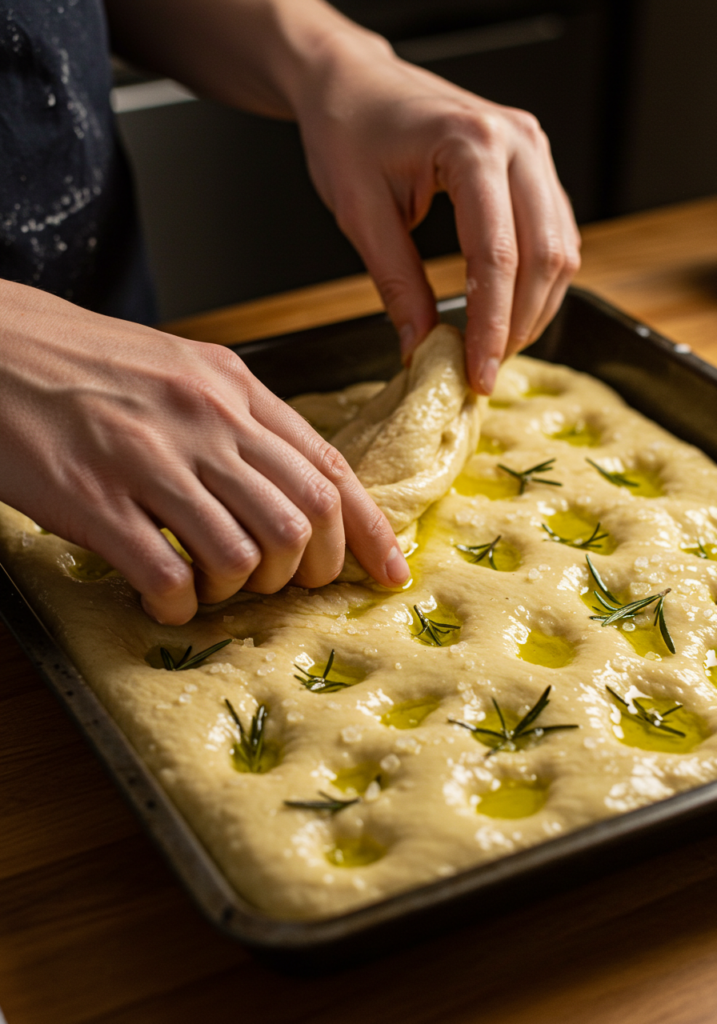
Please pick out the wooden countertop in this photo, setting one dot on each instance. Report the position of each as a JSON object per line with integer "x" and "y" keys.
{"x": 94, "y": 928}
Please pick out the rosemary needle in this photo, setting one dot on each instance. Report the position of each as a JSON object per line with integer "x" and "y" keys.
{"x": 598, "y": 580}
{"x": 327, "y": 803}
{"x": 478, "y": 552}
{"x": 618, "y": 479}
{"x": 527, "y": 476}
{"x": 186, "y": 661}
{"x": 251, "y": 746}
{"x": 320, "y": 683}
{"x": 613, "y": 611}
{"x": 593, "y": 541}
{"x": 649, "y": 715}
{"x": 433, "y": 631}
{"x": 507, "y": 738}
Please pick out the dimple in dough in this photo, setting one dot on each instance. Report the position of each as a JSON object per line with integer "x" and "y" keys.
{"x": 426, "y": 815}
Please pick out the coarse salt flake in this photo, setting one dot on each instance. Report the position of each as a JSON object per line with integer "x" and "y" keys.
{"x": 351, "y": 734}
{"x": 390, "y": 763}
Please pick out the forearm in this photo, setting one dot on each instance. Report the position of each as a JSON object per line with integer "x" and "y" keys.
{"x": 253, "y": 54}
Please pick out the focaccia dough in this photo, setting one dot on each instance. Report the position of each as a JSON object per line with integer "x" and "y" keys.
{"x": 409, "y": 442}
{"x": 425, "y": 816}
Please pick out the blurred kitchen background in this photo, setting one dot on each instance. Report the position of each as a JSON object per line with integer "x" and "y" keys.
{"x": 626, "y": 90}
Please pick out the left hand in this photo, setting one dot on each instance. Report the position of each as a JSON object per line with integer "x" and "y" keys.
{"x": 382, "y": 137}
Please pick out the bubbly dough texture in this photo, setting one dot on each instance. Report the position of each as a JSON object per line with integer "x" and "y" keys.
{"x": 425, "y": 816}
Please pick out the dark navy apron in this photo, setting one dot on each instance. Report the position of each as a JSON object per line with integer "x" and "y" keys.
{"x": 68, "y": 222}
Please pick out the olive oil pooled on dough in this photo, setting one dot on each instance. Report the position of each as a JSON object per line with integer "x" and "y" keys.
{"x": 429, "y": 793}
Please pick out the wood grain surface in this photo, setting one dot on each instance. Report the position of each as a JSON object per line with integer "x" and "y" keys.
{"x": 94, "y": 928}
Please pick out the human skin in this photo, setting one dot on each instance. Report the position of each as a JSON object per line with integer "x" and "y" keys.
{"x": 381, "y": 138}
{"x": 109, "y": 430}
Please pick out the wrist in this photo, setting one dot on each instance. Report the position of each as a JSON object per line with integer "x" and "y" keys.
{"x": 319, "y": 45}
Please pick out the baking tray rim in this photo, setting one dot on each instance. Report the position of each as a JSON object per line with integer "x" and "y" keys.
{"x": 201, "y": 875}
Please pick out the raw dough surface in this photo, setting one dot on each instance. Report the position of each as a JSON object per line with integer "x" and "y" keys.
{"x": 425, "y": 816}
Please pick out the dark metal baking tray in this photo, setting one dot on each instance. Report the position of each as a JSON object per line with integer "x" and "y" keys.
{"x": 666, "y": 382}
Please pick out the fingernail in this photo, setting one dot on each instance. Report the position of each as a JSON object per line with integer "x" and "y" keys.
{"x": 397, "y": 567}
{"x": 489, "y": 374}
{"x": 407, "y": 336}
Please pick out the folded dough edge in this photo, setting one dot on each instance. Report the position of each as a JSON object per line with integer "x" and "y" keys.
{"x": 410, "y": 441}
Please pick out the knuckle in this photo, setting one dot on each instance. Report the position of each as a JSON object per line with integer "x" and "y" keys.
{"x": 198, "y": 394}
{"x": 169, "y": 579}
{"x": 194, "y": 393}
{"x": 529, "y": 126}
{"x": 222, "y": 357}
{"x": 502, "y": 255}
{"x": 330, "y": 463}
{"x": 230, "y": 367}
{"x": 495, "y": 328}
{"x": 374, "y": 524}
{"x": 520, "y": 336}
{"x": 550, "y": 258}
{"x": 394, "y": 289}
{"x": 322, "y": 498}
{"x": 572, "y": 260}
{"x": 488, "y": 130}
{"x": 293, "y": 533}
{"x": 241, "y": 561}
{"x": 468, "y": 136}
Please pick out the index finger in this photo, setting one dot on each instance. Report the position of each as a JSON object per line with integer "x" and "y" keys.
{"x": 479, "y": 189}
{"x": 368, "y": 532}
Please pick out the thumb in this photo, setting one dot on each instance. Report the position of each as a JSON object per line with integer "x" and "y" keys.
{"x": 377, "y": 230}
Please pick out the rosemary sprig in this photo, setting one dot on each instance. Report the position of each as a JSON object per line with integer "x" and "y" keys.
{"x": 618, "y": 479}
{"x": 434, "y": 632}
{"x": 649, "y": 715}
{"x": 598, "y": 579}
{"x": 186, "y": 661}
{"x": 615, "y": 612}
{"x": 507, "y": 738}
{"x": 327, "y": 803}
{"x": 251, "y": 746}
{"x": 701, "y": 550}
{"x": 527, "y": 476}
{"x": 480, "y": 551}
{"x": 593, "y": 541}
{"x": 321, "y": 683}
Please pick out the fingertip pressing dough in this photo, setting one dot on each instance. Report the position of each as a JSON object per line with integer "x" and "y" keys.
{"x": 384, "y": 709}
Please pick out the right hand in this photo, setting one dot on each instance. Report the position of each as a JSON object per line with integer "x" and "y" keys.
{"x": 382, "y": 137}
{"x": 110, "y": 430}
